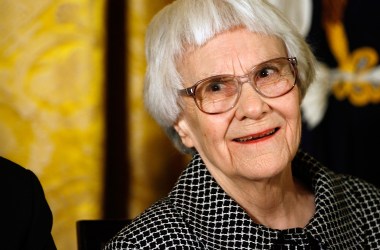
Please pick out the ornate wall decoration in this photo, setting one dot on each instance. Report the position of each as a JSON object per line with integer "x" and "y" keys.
{"x": 51, "y": 120}
{"x": 154, "y": 161}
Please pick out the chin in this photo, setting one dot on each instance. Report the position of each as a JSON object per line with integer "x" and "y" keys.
{"x": 264, "y": 167}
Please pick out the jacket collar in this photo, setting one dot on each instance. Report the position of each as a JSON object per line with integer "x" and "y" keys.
{"x": 334, "y": 221}
{"x": 219, "y": 221}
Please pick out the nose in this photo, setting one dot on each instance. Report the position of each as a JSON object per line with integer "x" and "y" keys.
{"x": 250, "y": 104}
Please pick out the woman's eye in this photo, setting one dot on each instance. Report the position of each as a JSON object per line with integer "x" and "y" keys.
{"x": 214, "y": 86}
{"x": 218, "y": 86}
{"x": 266, "y": 72}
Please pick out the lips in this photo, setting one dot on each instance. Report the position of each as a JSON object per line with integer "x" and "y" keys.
{"x": 257, "y": 136}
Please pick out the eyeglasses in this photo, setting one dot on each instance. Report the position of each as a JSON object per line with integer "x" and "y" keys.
{"x": 220, "y": 93}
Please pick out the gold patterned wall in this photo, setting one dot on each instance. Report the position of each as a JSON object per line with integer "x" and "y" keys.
{"x": 155, "y": 164}
{"x": 51, "y": 121}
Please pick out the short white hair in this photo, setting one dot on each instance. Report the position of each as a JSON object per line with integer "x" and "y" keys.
{"x": 193, "y": 23}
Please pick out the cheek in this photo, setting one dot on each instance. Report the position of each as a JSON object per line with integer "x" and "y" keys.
{"x": 294, "y": 124}
{"x": 208, "y": 131}
{"x": 211, "y": 128}
{"x": 290, "y": 111}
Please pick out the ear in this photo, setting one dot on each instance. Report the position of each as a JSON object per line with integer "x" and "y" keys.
{"x": 183, "y": 129}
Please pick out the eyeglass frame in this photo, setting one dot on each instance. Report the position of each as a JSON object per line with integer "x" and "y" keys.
{"x": 190, "y": 91}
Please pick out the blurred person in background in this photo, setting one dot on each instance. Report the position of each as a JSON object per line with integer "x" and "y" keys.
{"x": 26, "y": 219}
{"x": 225, "y": 80}
{"x": 347, "y": 96}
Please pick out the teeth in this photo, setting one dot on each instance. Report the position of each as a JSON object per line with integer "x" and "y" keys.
{"x": 255, "y": 137}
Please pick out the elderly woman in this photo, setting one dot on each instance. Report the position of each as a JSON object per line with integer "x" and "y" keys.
{"x": 225, "y": 79}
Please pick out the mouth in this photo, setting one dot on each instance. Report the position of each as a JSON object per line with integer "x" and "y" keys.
{"x": 257, "y": 136}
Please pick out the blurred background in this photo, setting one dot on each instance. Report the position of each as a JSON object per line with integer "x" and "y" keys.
{"x": 71, "y": 74}
{"x": 71, "y": 79}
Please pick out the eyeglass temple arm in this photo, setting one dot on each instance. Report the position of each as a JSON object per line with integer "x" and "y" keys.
{"x": 187, "y": 91}
{"x": 293, "y": 60}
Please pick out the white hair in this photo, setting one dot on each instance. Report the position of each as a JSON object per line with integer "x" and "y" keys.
{"x": 192, "y": 23}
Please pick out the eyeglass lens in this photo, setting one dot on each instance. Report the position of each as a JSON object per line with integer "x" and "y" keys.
{"x": 271, "y": 79}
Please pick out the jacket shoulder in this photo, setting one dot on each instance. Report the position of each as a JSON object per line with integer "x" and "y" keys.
{"x": 25, "y": 214}
{"x": 159, "y": 227}
{"x": 10, "y": 168}
{"x": 16, "y": 181}
{"x": 364, "y": 201}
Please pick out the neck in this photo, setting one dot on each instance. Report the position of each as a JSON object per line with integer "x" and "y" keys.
{"x": 279, "y": 203}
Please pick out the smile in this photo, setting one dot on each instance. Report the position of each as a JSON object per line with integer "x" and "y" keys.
{"x": 257, "y": 136}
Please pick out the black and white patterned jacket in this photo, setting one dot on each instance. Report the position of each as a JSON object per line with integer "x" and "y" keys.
{"x": 198, "y": 214}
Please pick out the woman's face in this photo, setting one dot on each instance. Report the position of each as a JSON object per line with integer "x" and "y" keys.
{"x": 221, "y": 139}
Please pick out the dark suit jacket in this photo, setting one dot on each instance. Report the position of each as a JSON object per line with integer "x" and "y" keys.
{"x": 25, "y": 217}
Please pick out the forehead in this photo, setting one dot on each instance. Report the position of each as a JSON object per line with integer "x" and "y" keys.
{"x": 231, "y": 52}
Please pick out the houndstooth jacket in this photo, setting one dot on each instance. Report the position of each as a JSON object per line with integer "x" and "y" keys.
{"x": 198, "y": 214}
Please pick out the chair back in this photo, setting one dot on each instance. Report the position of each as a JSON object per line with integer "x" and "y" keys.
{"x": 94, "y": 234}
